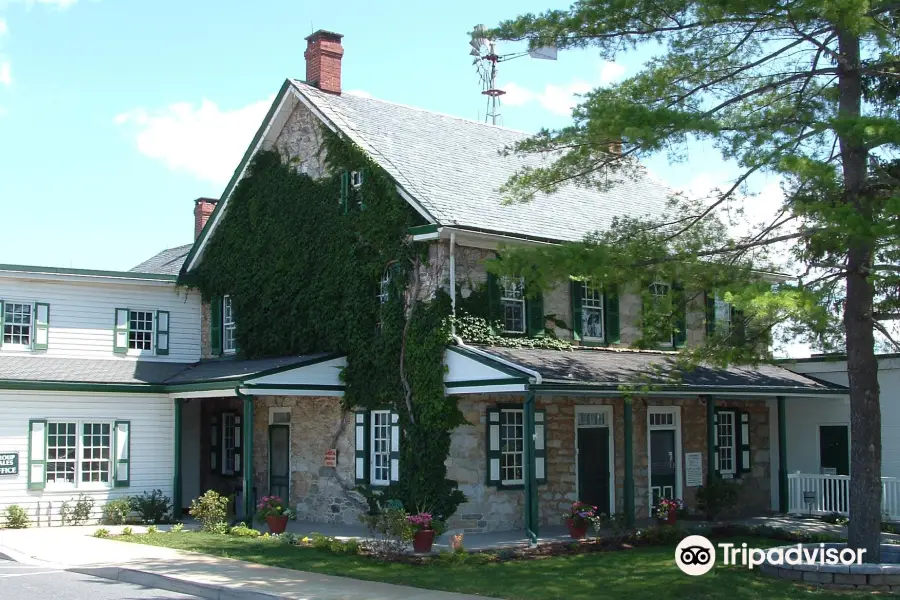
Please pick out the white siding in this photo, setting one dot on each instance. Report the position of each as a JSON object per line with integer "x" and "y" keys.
{"x": 804, "y": 416}
{"x": 82, "y": 315}
{"x": 152, "y": 445}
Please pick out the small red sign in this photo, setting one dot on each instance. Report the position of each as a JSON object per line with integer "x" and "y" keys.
{"x": 331, "y": 458}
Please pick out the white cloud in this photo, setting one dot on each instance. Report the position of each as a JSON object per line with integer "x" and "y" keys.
{"x": 203, "y": 140}
{"x": 557, "y": 99}
{"x": 4, "y": 28}
{"x": 5, "y": 73}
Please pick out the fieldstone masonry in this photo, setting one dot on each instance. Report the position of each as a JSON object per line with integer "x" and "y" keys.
{"x": 883, "y": 577}
{"x": 300, "y": 142}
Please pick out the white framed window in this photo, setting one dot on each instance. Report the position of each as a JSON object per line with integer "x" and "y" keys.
{"x": 512, "y": 446}
{"x": 659, "y": 293}
{"x": 140, "y": 330}
{"x": 230, "y": 443}
{"x": 384, "y": 287}
{"x": 356, "y": 179}
{"x": 79, "y": 453}
{"x": 17, "y": 324}
{"x": 512, "y": 299}
{"x": 229, "y": 345}
{"x": 726, "y": 442}
{"x": 722, "y": 314}
{"x": 591, "y": 312}
{"x": 380, "y": 447}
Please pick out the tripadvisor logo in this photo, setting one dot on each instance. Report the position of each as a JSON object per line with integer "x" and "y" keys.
{"x": 696, "y": 555}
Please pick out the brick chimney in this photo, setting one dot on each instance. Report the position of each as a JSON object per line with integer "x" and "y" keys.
{"x": 323, "y": 61}
{"x": 203, "y": 208}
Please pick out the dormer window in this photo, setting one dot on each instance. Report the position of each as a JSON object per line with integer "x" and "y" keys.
{"x": 229, "y": 343}
{"x": 512, "y": 298}
{"x": 17, "y": 324}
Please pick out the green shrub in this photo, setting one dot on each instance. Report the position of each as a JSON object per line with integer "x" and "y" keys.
{"x": 153, "y": 507}
{"x": 101, "y": 533}
{"x": 116, "y": 511}
{"x": 241, "y": 530}
{"x": 662, "y": 535}
{"x": 220, "y": 528}
{"x": 211, "y": 509}
{"x": 177, "y": 527}
{"x": 152, "y": 529}
{"x": 17, "y": 517}
{"x": 77, "y": 511}
{"x": 127, "y": 531}
{"x": 389, "y": 531}
{"x": 718, "y": 496}
{"x": 835, "y": 519}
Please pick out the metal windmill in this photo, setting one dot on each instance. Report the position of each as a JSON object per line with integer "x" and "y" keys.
{"x": 486, "y": 58}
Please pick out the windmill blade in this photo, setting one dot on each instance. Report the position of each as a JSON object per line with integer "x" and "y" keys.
{"x": 543, "y": 53}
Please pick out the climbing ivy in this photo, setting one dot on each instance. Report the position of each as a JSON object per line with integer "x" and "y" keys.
{"x": 303, "y": 274}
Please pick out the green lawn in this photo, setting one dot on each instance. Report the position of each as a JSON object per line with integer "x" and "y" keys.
{"x": 626, "y": 574}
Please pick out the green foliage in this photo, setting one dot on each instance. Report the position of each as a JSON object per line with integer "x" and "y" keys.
{"x": 115, "y": 511}
{"x": 241, "y": 530}
{"x": 323, "y": 299}
{"x": 16, "y": 517}
{"x": 153, "y": 507}
{"x": 152, "y": 529}
{"x": 177, "y": 527}
{"x": 661, "y": 535}
{"x": 127, "y": 531}
{"x": 389, "y": 532}
{"x": 102, "y": 532}
{"x": 716, "y": 497}
{"x": 77, "y": 511}
{"x": 211, "y": 509}
{"x": 835, "y": 519}
{"x": 331, "y": 544}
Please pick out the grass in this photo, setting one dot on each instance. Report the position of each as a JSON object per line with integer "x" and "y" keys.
{"x": 627, "y": 574}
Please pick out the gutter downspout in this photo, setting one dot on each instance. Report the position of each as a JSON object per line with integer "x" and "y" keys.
{"x": 453, "y": 282}
{"x": 531, "y": 512}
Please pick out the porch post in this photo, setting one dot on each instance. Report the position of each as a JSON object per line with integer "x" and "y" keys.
{"x": 176, "y": 481}
{"x": 531, "y": 498}
{"x": 783, "y": 505}
{"x": 628, "y": 491}
{"x": 247, "y": 467}
{"x": 710, "y": 439}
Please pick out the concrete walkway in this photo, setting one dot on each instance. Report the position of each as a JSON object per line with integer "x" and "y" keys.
{"x": 72, "y": 549}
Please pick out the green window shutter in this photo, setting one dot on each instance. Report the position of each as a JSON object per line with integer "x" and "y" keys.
{"x": 611, "y": 315}
{"x": 238, "y": 448}
{"x": 360, "y": 193}
{"x": 534, "y": 316}
{"x": 395, "y": 447}
{"x": 492, "y": 443}
{"x": 41, "y": 326}
{"x": 738, "y": 328}
{"x": 494, "y": 308}
{"x": 2, "y": 321}
{"x": 120, "y": 331}
{"x": 679, "y": 319}
{"x": 345, "y": 191}
{"x": 715, "y": 441}
{"x": 215, "y": 325}
{"x": 361, "y": 454}
{"x": 123, "y": 453}
{"x": 742, "y": 427}
{"x": 215, "y": 458}
{"x": 37, "y": 454}
{"x": 540, "y": 446}
{"x": 577, "y": 292}
{"x": 162, "y": 332}
{"x": 710, "y": 313}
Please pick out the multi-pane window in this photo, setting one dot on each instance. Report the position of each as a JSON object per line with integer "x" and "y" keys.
{"x": 384, "y": 287}
{"x": 512, "y": 299}
{"x": 229, "y": 344}
{"x": 661, "y": 305}
{"x": 140, "y": 330}
{"x": 726, "y": 441}
{"x": 722, "y": 315}
{"x": 229, "y": 443}
{"x": 17, "y": 324}
{"x": 381, "y": 447}
{"x": 591, "y": 312}
{"x": 62, "y": 452}
{"x": 95, "y": 452}
{"x": 512, "y": 446}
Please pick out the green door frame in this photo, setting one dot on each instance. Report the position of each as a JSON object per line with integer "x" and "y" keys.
{"x": 177, "y": 507}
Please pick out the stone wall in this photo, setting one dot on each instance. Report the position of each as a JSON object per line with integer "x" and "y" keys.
{"x": 492, "y": 509}
{"x": 300, "y": 142}
{"x": 319, "y": 493}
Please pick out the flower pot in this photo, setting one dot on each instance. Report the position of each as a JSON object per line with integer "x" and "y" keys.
{"x": 422, "y": 540}
{"x": 576, "y": 531}
{"x": 670, "y": 518}
{"x": 277, "y": 524}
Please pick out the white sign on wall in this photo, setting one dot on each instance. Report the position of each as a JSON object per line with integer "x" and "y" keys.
{"x": 693, "y": 469}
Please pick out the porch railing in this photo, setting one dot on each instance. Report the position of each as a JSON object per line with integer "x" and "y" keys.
{"x": 814, "y": 494}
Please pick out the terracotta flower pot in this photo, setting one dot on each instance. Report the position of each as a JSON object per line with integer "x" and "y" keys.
{"x": 277, "y": 524}
{"x": 672, "y": 516}
{"x": 576, "y": 531}
{"x": 423, "y": 540}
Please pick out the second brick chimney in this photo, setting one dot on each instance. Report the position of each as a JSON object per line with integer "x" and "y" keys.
{"x": 323, "y": 60}
{"x": 203, "y": 208}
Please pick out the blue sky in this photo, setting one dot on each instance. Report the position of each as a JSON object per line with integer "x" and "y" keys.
{"x": 115, "y": 115}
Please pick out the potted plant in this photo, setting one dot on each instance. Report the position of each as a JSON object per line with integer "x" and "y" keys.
{"x": 578, "y": 517}
{"x": 667, "y": 510}
{"x": 274, "y": 512}
{"x": 425, "y": 528}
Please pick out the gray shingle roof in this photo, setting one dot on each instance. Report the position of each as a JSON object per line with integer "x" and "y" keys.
{"x": 167, "y": 262}
{"x": 213, "y": 370}
{"x": 83, "y": 370}
{"x": 605, "y": 367}
{"x": 452, "y": 167}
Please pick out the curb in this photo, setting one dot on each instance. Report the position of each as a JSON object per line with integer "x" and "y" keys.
{"x": 9, "y": 554}
{"x": 210, "y": 591}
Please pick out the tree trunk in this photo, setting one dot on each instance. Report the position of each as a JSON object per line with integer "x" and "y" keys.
{"x": 862, "y": 366}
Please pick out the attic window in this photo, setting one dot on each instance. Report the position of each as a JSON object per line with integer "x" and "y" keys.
{"x": 356, "y": 179}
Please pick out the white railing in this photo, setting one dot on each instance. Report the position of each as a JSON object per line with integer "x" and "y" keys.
{"x": 823, "y": 494}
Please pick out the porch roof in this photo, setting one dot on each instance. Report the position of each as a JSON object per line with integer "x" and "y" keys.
{"x": 608, "y": 369}
{"x": 230, "y": 369}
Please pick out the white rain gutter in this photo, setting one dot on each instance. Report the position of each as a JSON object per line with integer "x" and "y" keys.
{"x": 453, "y": 282}
{"x": 502, "y": 361}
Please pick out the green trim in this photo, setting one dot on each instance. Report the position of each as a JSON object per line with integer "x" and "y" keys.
{"x": 783, "y": 504}
{"x": 38, "y": 326}
{"x": 486, "y": 382}
{"x": 117, "y": 329}
{"x": 628, "y": 490}
{"x": 247, "y": 454}
{"x": 532, "y": 521}
{"x": 89, "y": 272}
{"x": 710, "y": 439}
{"x": 616, "y": 389}
{"x": 177, "y": 505}
{"x": 225, "y": 383}
{"x": 33, "y": 485}
{"x": 216, "y": 325}
{"x": 424, "y": 229}
{"x": 165, "y": 332}
{"x": 81, "y": 386}
{"x": 490, "y": 362}
{"x": 305, "y": 363}
{"x": 293, "y": 386}
{"x": 120, "y": 462}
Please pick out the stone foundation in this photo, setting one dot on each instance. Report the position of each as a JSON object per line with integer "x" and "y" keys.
{"x": 884, "y": 577}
